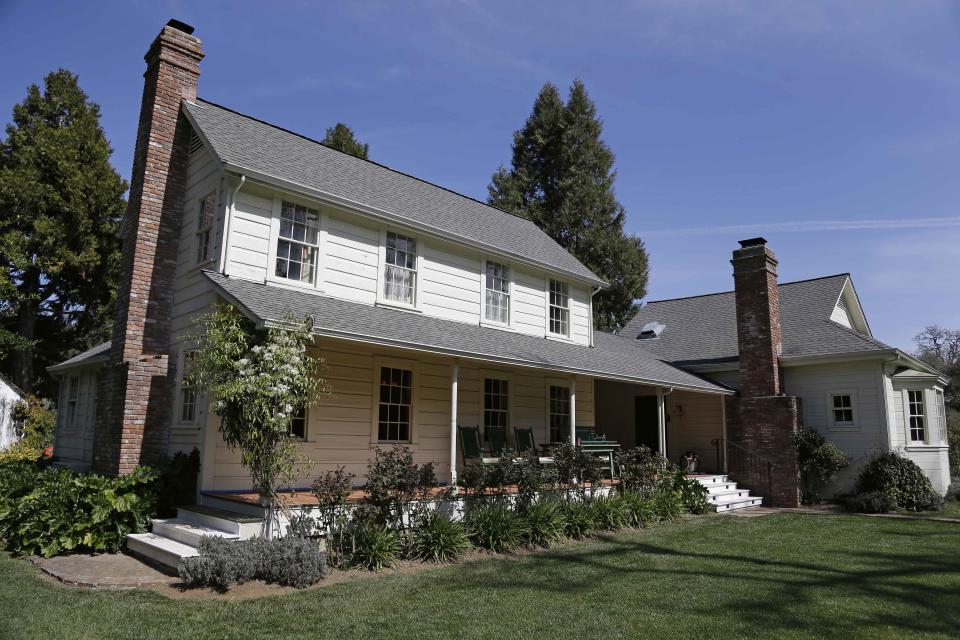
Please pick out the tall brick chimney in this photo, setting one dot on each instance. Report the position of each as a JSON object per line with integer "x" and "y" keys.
{"x": 760, "y": 419}
{"x": 135, "y": 404}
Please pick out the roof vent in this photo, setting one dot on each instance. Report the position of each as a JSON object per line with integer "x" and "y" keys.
{"x": 651, "y": 330}
{"x": 842, "y": 303}
{"x": 195, "y": 143}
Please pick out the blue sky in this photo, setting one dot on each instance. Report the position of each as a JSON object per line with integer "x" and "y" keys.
{"x": 829, "y": 128}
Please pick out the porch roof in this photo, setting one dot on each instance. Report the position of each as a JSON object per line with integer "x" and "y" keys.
{"x": 612, "y": 358}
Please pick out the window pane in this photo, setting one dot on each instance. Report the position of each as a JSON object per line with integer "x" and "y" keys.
{"x": 395, "y": 401}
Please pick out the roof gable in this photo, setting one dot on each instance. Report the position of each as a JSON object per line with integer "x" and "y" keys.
{"x": 251, "y": 146}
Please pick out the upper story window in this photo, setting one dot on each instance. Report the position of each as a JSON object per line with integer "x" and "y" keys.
{"x": 497, "y": 292}
{"x": 298, "y": 243}
{"x": 396, "y": 398}
{"x": 941, "y": 417}
{"x": 842, "y": 410}
{"x": 204, "y": 228}
{"x": 188, "y": 394}
{"x": 73, "y": 398}
{"x": 559, "y": 308}
{"x": 916, "y": 417}
{"x": 559, "y": 411}
{"x": 400, "y": 269}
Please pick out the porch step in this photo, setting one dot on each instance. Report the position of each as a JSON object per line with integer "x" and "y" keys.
{"x": 725, "y": 495}
{"x": 239, "y": 525}
{"x": 159, "y": 549}
{"x": 186, "y": 532}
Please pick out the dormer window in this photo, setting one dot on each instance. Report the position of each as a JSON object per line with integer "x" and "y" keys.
{"x": 559, "y": 308}
{"x": 400, "y": 269}
{"x": 497, "y": 292}
{"x": 298, "y": 243}
{"x": 204, "y": 228}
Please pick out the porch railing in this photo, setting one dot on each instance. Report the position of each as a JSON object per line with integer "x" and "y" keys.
{"x": 747, "y": 467}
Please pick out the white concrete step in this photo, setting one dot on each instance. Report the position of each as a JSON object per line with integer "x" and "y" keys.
{"x": 188, "y": 533}
{"x": 714, "y": 496}
{"x": 720, "y": 487}
{"x": 711, "y": 480}
{"x": 159, "y": 549}
{"x": 240, "y": 525}
{"x": 732, "y": 504}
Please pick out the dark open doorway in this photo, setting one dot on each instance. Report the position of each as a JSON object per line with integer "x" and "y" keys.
{"x": 646, "y": 422}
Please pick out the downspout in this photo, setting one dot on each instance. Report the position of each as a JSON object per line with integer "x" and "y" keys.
{"x": 227, "y": 219}
{"x": 596, "y": 290}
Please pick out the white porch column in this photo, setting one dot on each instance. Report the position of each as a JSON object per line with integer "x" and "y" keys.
{"x": 661, "y": 422}
{"x": 573, "y": 410}
{"x": 454, "y": 379}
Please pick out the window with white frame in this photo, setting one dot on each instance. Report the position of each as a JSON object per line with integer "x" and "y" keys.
{"x": 559, "y": 308}
{"x": 396, "y": 398}
{"x": 916, "y": 416}
{"x": 841, "y": 409}
{"x": 204, "y": 228}
{"x": 941, "y": 417}
{"x": 496, "y": 403}
{"x": 559, "y": 413}
{"x": 497, "y": 292}
{"x": 298, "y": 425}
{"x": 73, "y": 398}
{"x": 400, "y": 269}
{"x": 298, "y": 243}
{"x": 188, "y": 393}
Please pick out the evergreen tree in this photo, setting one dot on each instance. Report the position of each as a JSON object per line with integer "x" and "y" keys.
{"x": 561, "y": 178}
{"x": 60, "y": 207}
{"x": 341, "y": 138}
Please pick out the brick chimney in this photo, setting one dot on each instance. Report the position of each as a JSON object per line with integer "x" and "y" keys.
{"x": 135, "y": 403}
{"x": 760, "y": 419}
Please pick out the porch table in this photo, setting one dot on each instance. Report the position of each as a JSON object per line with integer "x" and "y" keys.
{"x": 602, "y": 449}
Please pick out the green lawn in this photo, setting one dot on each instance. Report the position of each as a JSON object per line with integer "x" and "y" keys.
{"x": 775, "y": 576}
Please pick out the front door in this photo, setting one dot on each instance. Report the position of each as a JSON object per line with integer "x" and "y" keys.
{"x": 645, "y": 416}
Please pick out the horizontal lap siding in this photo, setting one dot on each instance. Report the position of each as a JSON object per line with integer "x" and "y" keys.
{"x": 529, "y": 299}
{"x": 700, "y": 423}
{"x": 250, "y": 233}
{"x": 351, "y": 261}
{"x": 340, "y": 425}
{"x": 450, "y": 286}
{"x": 579, "y": 315}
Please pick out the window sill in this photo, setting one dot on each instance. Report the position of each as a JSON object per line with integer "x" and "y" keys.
{"x": 845, "y": 427}
{"x": 559, "y": 338}
{"x": 923, "y": 446}
{"x": 393, "y": 443}
{"x": 490, "y": 324}
{"x": 398, "y": 306}
{"x": 200, "y": 266}
{"x": 292, "y": 284}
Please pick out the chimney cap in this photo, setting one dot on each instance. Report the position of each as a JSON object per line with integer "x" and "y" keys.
{"x": 180, "y": 26}
{"x": 753, "y": 242}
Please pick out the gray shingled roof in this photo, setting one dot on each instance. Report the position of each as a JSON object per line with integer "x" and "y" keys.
{"x": 243, "y": 142}
{"x": 96, "y": 354}
{"x": 613, "y": 357}
{"x": 704, "y": 328}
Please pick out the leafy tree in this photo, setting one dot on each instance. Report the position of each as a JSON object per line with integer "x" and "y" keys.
{"x": 60, "y": 208}
{"x": 341, "y": 138}
{"x": 562, "y": 178}
{"x": 258, "y": 379}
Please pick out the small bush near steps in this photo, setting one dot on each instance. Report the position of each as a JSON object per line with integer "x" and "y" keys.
{"x": 290, "y": 561}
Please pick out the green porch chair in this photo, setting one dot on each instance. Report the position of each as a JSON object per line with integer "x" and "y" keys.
{"x": 496, "y": 439}
{"x": 526, "y": 443}
{"x": 470, "y": 447}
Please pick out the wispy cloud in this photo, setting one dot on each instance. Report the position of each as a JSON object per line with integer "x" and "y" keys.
{"x": 805, "y": 226}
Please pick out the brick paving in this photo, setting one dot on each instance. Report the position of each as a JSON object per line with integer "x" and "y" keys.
{"x": 103, "y": 571}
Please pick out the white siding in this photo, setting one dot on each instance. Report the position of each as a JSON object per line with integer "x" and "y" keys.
{"x": 933, "y": 456}
{"x": 73, "y": 443}
{"x": 8, "y": 399}
{"x": 694, "y": 420}
{"x": 450, "y": 284}
{"x": 351, "y": 260}
{"x": 841, "y": 316}
{"x": 340, "y": 428}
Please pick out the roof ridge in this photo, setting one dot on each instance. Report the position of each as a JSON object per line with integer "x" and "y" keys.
{"x": 729, "y": 291}
{"x": 373, "y": 162}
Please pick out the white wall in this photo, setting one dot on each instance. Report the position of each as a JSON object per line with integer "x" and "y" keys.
{"x": 9, "y": 397}
{"x": 931, "y": 456}
{"x": 340, "y": 429}
{"x": 450, "y": 280}
{"x": 73, "y": 442}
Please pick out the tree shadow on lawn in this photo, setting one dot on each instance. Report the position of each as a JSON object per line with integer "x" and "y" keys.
{"x": 849, "y": 586}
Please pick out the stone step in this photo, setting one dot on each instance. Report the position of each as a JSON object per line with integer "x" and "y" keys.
{"x": 161, "y": 550}
{"x": 728, "y": 493}
{"x": 186, "y": 532}
{"x": 732, "y": 504}
{"x": 241, "y": 525}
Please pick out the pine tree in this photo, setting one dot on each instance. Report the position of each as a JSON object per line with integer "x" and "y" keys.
{"x": 341, "y": 138}
{"x": 562, "y": 178}
{"x": 60, "y": 207}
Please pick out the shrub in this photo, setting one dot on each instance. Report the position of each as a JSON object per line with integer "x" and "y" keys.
{"x": 900, "y": 480}
{"x": 543, "y": 523}
{"x": 375, "y": 546}
{"x": 331, "y": 491}
{"x": 579, "y": 520}
{"x": 34, "y": 421}
{"x": 819, "y": 463}
{"x": 574, "y": 466}
{"x": 644, "y": 471}
{"x": 394, "y": 482}
{"x": 289, "y": 561}
{"x": 693, "y": 495}
{"x": 869, "y": 502}
{"x": 437, "y": 538}
{"x": 52, "y": 511}
{"x": 640, "y": 509}
{"x": 668, "y": 505}
{"x": 495, "y": 527}
{"x": 610, "y": 512}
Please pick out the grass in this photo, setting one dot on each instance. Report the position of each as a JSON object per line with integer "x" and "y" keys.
{"x": 785, "y": 576}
